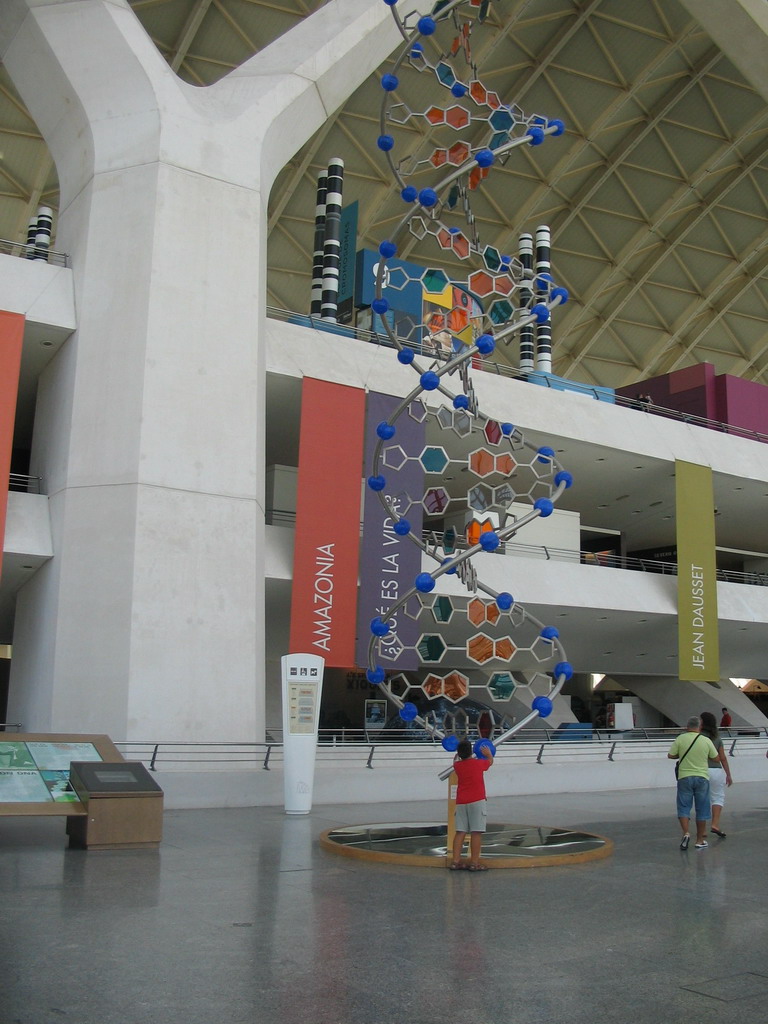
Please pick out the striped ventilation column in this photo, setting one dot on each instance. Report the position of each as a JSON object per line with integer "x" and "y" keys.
{"x": 332, "y": 247}
{"x": 44, "y": 230}
{"x": 31, "y": 235}
{"x": 525, "y": 247}
{"x": 543, "y": 330}
{"x": 39, "y": 232}
{"x": 317, "y": 254}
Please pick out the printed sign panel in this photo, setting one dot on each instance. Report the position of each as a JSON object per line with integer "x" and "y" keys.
{"x": 326, "y": 548}
{"x": 698, "y": 637}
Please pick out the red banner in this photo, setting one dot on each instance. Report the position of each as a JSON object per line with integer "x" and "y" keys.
{"x": 11, "y": 340}
{"x": 326, "y": 548}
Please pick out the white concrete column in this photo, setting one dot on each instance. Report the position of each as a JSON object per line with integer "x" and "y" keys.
{"x": 148, "y": 621}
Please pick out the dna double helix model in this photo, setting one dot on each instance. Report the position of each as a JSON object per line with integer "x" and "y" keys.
{"x": 499, "y": 299}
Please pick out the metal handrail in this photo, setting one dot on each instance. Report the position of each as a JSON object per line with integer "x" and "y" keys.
{"x": 503, "y": 370}
{"x": 287, "y": 517}
{"x": 57, "y": 259}
{"x": 26, "y": 484}
{"x": 603, "y": 745}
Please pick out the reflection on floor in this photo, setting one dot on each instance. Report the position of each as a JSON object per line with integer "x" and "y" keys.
{"x": 241, "y": 917}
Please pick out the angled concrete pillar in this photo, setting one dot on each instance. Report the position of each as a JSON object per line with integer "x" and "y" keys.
{"x": 148, "y": 621}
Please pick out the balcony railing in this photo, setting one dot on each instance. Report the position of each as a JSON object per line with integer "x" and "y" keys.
{"x": 285, "y": 517}
{"x": 25, "y": 484}
{"x": 532, "y": 746}
{"x": 34, "y": 253}
{"x": 503, "y": 370}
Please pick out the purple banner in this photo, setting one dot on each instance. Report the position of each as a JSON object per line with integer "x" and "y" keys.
{"x": 389, "y": 564}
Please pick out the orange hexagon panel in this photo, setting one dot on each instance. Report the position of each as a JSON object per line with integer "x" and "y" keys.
{"x": 480, "y": 648}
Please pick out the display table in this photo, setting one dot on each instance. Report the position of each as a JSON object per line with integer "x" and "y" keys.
{"x": 123, "y": 804}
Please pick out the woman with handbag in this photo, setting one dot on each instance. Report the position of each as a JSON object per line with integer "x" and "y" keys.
{"x": 719, "y": 771}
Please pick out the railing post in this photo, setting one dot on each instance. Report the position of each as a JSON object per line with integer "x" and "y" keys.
{"x": 610, "y": 753}
{"x": 370, "y": 758}
{"x": 265, "y": 766}
{"x": 154, "y": 758}
{"x": 541, "y": 751}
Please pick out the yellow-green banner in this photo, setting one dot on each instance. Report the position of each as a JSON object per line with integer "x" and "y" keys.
{"x": 698, "y": 642}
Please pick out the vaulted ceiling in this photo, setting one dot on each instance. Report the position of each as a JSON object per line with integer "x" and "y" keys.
{"x": 657, "y": 193}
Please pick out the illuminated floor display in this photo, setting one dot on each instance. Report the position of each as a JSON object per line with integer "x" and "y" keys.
{"x": 417, "y": 844}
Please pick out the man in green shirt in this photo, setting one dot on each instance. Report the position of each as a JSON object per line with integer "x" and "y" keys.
{"x": 693, "y": 752}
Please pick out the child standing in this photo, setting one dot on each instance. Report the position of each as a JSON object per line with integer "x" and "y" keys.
{"x": 470, "y": 804}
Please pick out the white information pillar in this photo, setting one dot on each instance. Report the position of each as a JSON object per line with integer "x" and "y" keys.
{"x": 302, "y": 688}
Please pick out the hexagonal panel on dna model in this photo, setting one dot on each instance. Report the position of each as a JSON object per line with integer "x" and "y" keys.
{"x": 431, "y": 647}
{"x": 480, "y": 611}
{"x": 481, "y": 283}
{"x": 480, "y": 649}
{"x": 462, "y": 423}
{"x": 501, "y": 685}
{"x": 480, "y": 498}
{"x": 503, "y": 496}
{"x": 456, "y": 242}
{"x": 458, "y": 117}
{"x": 445, "y": 73}
{"x": 444, "y": 417}
{"x": 434, "y": 459}
{"x": 494, "y": 435}
{"x": 491, "y": 258}
{"x": 434, "y": 281}
{"x": 481, "y": 462}
{"x": 449, "y": 540}
{"x": 442, "y": 608}
{"x": 501, "y": 311}
{"x": 432, "y": 685}
{"x": 455, "y": 686}
{"x": 435, "y": 501}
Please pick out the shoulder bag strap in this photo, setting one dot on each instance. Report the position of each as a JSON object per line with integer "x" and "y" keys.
{"x": 689, "y": 749}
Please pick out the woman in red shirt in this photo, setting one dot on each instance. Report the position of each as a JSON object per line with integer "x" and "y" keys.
{"x": 470, "y": 804}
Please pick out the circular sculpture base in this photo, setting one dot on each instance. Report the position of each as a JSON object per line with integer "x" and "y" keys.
{"x": 504, "y": 846}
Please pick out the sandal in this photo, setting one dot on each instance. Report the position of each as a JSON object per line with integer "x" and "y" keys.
{"x": 718, "y": 832}
{"x": 455, "y": 867}
{"x": 477, "y": 867}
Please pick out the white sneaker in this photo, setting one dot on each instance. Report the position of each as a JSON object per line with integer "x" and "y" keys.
{"x": 702, "y": 845}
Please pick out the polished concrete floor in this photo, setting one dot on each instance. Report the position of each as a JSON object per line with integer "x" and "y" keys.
{"x": 241, "y": 917}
